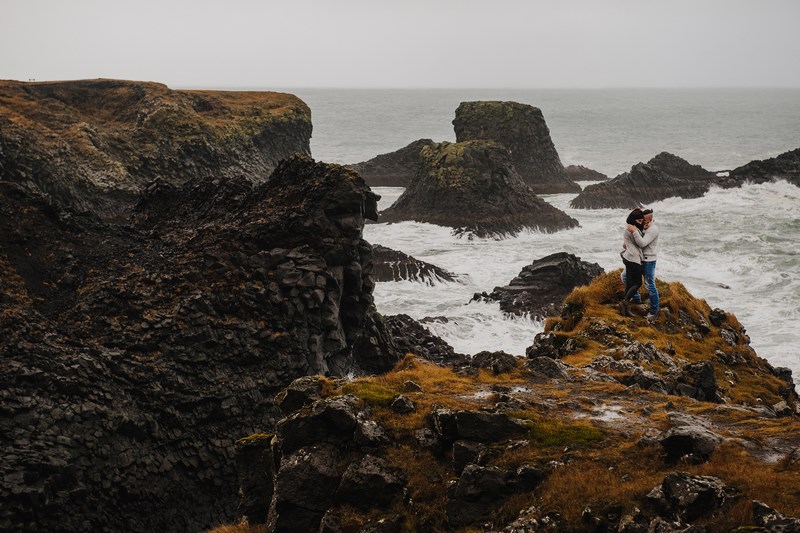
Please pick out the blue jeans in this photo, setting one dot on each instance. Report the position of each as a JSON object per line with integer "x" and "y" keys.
{"x": 649, "y": 273}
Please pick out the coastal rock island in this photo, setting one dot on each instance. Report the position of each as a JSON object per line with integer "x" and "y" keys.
{"x": 395, "y": 169}
{"x": 473, "y": 187}
{"x": 783, "y": 167}
{"x": 522, "y": 129}
{"x": 664, "y": 176}
{"x": 95, "y": 144}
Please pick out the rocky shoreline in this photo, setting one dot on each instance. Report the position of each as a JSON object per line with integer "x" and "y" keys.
{"x": 189, "y": 337}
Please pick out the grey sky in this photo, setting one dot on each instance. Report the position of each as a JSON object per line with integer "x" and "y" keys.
{"x": 406, "y": 43}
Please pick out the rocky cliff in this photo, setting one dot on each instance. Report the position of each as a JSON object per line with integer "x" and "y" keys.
{"x": 94, "y": 144}
{"x": 610, "y": 424}
{"x": 395, "y": 169}
{"x": 522, "y": 129}
{"x": 133, "y": 355}
{"x": 474, "y": 188}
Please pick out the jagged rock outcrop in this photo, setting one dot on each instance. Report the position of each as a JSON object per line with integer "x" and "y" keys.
{"x": 522, "y": 129}
{"x": 582, "y": 173}
{"x": 472, "y": 186}
{"x": 391, "y": 265}
{"x": 134, "y": 355}
{"x": 395, "y": 169}
{"x": 94, "y": 144}
{"x": 642, "y": 185}
{"x": 783, "y": 167}
{"x": 677, "y": 167}
{"x": 412, "y": 337}
{"x": 539, "y": 288}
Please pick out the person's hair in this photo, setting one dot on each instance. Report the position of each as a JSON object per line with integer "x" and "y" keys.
{"x": 647, "y": 212}
{"x": 635, "y": 215}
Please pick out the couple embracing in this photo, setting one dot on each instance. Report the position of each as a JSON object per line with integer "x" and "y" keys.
{"x": 639, "y": 256}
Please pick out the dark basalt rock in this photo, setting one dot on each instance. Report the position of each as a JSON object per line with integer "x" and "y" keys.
{"x": 688, "y": 497}
{"x": 391, "y": 265}
{"x": 371, "y": 483}
{"x": 582, "y": 173}
{"x": 473, "y": 187}
{"x": 94, "y": 144}
{"x": 772, "y": 521}
{"x": 409, "y": 336}
{"x": 540, "y": 288}
{"x": 677, "y": 167}
{"x": 498, "y": 362}
{"x": 783, "y": 167}
{"x": 135, "y": 355}
{"x": 643, "y": 185}
{"x": 395, "y": 169}
{"x": 522, "y": 129}
{"x": 255, "y": 465}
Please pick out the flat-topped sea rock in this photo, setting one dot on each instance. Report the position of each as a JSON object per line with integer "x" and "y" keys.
{"x": 392, "y": 265}
{"x": 94, "y": 144}
{"x": 522, "y": 129}
{"x": 642, "y": 185}
{"x": 783, "y": 167}
{"x": 474, "y": 188}
{"x": 394, "y": 169}
{"x": 582, "y": 173}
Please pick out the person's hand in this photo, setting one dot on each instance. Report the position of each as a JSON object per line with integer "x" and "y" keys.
{"x": 631, "y": 228}
{"x": 624, "y": 246}
{"x": 646, "y": 224}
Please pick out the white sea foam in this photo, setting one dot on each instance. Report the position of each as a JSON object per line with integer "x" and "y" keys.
{"x": 738, "y": 249}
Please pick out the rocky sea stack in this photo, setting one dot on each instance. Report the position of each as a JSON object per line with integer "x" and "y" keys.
{"x": 94, "y": 144}
{"x": 395, "y": 169}
{"x": 473, "y": 186}
{"x": 582, "y": 173}
{"x": 783, "y": 167}
{"x": 522, "y": 129}
{"x": 664, "y": 176}
{"x": 135, "y": 354}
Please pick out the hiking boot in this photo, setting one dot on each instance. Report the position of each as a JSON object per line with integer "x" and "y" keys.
{"x": 652, "y": 316}
{"x": 623, "y": 308}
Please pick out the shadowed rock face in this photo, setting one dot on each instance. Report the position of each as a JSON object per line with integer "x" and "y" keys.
{"x": 394, "y": 169}
{"x": 582, "y": 173}
{"x": 94, "y": 144}
{"x": 520, "y": 128}
{"x": 391, "y": 265}
{"x": 644, "y": 184}
{"x": 677, "y": 167}
{"x": 540, "y": 288}
{"x": 784, "y": 167}
{"x": 473, "y": 187}
{"x": 134, "y": 355}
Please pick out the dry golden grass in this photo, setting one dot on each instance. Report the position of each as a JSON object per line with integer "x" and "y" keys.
{"x": 242, "y": 527}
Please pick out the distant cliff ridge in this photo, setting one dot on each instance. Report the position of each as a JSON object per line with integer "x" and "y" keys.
{"x": 93, "y": 144}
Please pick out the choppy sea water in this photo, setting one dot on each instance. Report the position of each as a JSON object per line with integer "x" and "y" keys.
{"x": 738, "y": 249}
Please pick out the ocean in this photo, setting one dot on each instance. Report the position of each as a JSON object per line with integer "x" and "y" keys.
{"x": 738, "y": 249}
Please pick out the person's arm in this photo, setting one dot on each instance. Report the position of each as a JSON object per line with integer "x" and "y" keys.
{"x": 648, "y": 237}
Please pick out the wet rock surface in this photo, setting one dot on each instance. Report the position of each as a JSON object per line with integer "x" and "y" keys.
{"x": 539, "y": 289}
{"x": 522, "y": 129}
{"x": 783, "y": 167}
{"x": 642, "y": 185}
{"x": 582, "y": 173}
{"x": 473, "y": 187}
{"x": 677, "y": 167}
{"x": 395, "y": 169}
{"x": 392, "y": 265}
{"x": 135, "y": 355}
{"x": 93, "y": 145}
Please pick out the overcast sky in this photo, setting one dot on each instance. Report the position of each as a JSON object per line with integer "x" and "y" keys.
{"x": 406, "y": 43}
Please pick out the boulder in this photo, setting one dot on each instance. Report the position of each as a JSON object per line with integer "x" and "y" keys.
{"x": 687, "y": 497}
{"x": 697, "y": 380}
{"x": 689, "y": 437}
{"x": 540, "y": 288}
{"x": 94, "y": 145}
{"x": 642, "y": 185}
{"x": 548, "y": 368}
{"x": 371, "y": 483}
{"x": 522, "y": 130}
{"x": 475, "y": 426}
{"x": 498, "y": 362}
{"x": 300, "y": 393}
{"x": 473, "y": 187}
{"x": 402, "y": 404}
{"x": 478, "y": 492}
{"x": 332, "y": 420}
{"x": 394, "y": 169}
{"x": 255, "y": 466}
{"x": 305, "y": 486}
{"x": 783, "y": 167}
{"x": 391, "y": 265}
{"x": 772, "y": 521}
{"x": 409, "y": 336}
{"x": 581, "y": 173}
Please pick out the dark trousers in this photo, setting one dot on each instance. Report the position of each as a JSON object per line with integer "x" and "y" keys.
{"x": 633, "y": 279}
